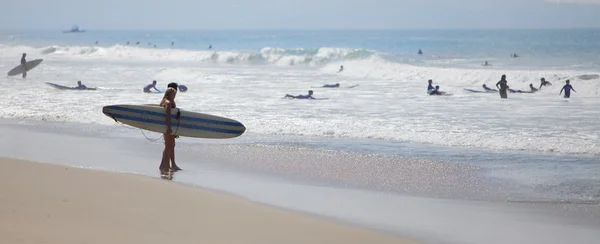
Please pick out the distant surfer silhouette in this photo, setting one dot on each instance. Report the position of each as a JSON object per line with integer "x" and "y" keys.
{"x": 80, "y": 86}
{"x": 543, "y": 82}
{"x": 503, "y": 86}
{"x": 341, "y": 68}
{"x": 487, "y": 88}
{"x": 533, "y": 89}
{"x": 309, "y": 96}
{"x": 150, "y": 86}
{"x": 420, "y": 52}
{"x": 24, "y": 63}
{"x": 486, "y": 63}
{"x": 336, "y": 85}
{"x": 567, "y": 88}
{"x": 436, "y": 92}
{"x": 209, "y": 46}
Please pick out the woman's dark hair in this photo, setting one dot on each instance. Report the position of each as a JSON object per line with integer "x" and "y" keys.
{"x": 173, "y": 85}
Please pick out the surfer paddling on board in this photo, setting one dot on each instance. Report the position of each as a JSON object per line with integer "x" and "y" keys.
{"x": 168, "y": 103}
{"x": 336, "y": 85}
{"x": 567, "y": 88}
{"x": 309, "y": 96}
{"x": 503, "y": 86}
{"x": 533, "y": 89}
{"x": 543, "y": 82}
{"x": 487, "y": 88}
{"x": 436, "y": 91}
{"x": 150, "y": 86}
{"x": 80, "y": 86}
{"x": 24, "y": 63}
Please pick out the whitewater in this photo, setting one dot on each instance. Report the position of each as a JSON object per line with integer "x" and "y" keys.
{"x": 389, "y": 103}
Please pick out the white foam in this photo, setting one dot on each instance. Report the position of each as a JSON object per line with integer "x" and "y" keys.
{"x": 390, "y": 102}
{"x": 269, "y": 55}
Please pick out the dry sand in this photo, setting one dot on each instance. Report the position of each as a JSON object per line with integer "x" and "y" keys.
{"x": 45, "y": 203}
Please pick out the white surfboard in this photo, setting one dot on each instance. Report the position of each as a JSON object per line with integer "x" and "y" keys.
{"x": 183, "y": 123}
{"x": 20, "y": 69}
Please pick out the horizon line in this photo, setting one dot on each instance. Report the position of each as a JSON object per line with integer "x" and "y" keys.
{"x": 304, "y": 29}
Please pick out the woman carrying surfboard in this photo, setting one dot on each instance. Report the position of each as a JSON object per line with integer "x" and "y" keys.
{"x": 168, "y": 103}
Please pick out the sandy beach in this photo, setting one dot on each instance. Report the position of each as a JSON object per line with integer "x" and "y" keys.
{"x": 46, "y": 203}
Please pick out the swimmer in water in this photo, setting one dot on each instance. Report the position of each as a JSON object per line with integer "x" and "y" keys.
{"x": 430, "y": 86}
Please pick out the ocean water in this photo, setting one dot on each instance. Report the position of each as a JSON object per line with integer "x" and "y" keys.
{"x": 383, "y": 135}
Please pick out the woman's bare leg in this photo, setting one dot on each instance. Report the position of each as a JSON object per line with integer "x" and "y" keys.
{"x": 173, "y": 164}
{"x": 164, "y": 164}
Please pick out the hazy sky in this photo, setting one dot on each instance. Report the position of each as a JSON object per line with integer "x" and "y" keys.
{"x": 294, "y": 14}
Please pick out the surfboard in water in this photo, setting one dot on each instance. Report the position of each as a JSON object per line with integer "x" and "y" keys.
{"x": 183, "y": 122}
{"x": 480, "y": 91}
{"x": 20, "y": 69}
{"x": 61, "y": 87}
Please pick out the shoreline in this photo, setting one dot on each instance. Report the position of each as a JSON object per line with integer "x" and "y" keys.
{"x": 63, "y": 204}
{"x": 280, "y": 177}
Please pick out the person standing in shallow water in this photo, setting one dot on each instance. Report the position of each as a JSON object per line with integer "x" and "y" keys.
{"x": 168, "y": 103}
{"x": 567, "y": 88}
{"x": 24, "y": 63}
{"x": 502, "y": 85}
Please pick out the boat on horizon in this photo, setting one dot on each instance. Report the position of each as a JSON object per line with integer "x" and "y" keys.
{"x": 74, "y": 29}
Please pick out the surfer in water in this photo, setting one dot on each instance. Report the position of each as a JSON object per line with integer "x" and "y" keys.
{"x": 487, "y": 88}
{"x": 420, "y": 52}
{"x": 168, "y": 103}
{"x": 503, "y": 86}
{"x": 309, "y": 96}
{"x": 543, "y": 82}
{"x": 341, "y": 68}
{"x": 150, "y": 86}
{"x": 80, "y": 86}
{"x": 533, "y": 89}
{"x": 24, "y": 63}
{"x": 430, "y": 86}
{"x": 336, "y": 85}
{"x": 436, "y": 91}
{"x": 486, "y": 63}
{"x": 567, "y": 88}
